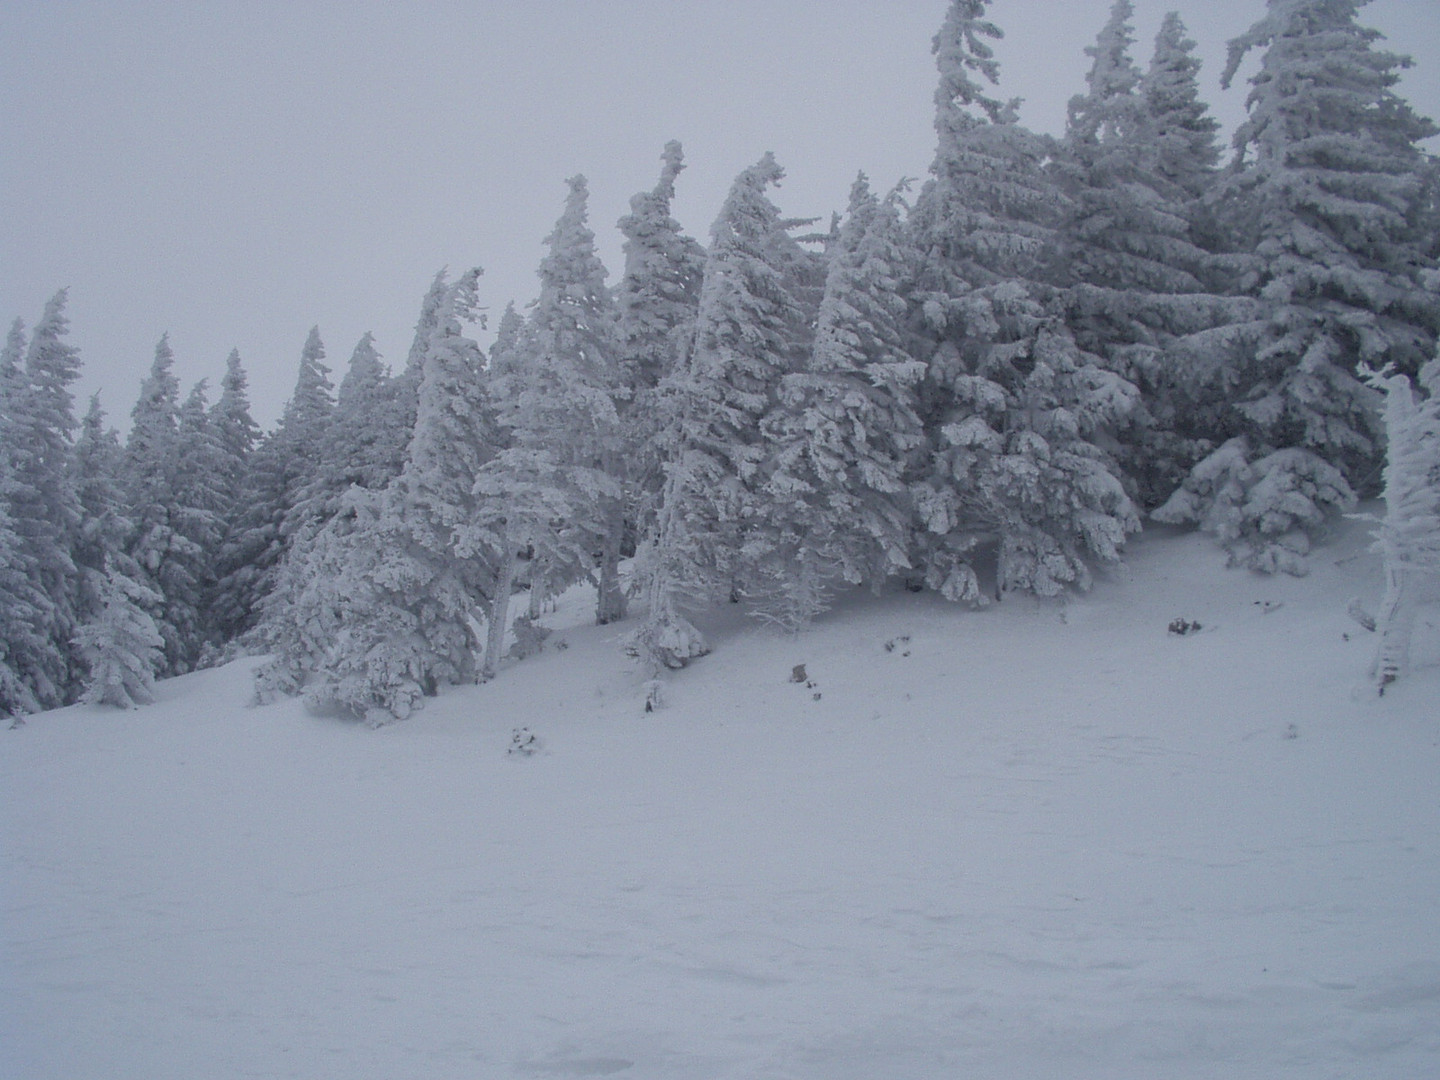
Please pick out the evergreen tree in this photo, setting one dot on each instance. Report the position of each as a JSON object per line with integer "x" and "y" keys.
{"x": 1327, "y": 179}
{"x": 377, "y": 608}
{"x": 848, "y": 434}
{"x": 227, "y": 610}
{"x": 44, "y": 507}
{"x": 282, "y": 462}
{"x": 152, "y": 458}
{"x": 1020, "y": 418}
{"x": 1184, "y": 132}
{"x": 1138, "y": 279}
{"x": 199, "y": 520}
{"x": 753, "y": 327}
{"x": 368, "y": 434}
{"x": 656, "y": 300}
{"x": 235, "y": 428}
{"x": 559, "y": 408}
{"x": 121, "y": 645}
{"x": 303, "y": 435}
{"x": 25, "y": 651}
{"x": 104, "y": 527}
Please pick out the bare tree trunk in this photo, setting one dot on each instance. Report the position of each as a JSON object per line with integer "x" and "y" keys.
{"x": 610, "y": 604}
{"x": 499, "y": 610}
{"x": 1396, "y": 624}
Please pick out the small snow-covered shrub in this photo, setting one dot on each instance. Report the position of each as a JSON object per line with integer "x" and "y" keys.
{"x": 1264, "y": 511}
{"x": 529, "y": 637}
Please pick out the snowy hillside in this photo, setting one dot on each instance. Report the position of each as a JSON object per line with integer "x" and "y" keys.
{"x": 1044, "y": 840}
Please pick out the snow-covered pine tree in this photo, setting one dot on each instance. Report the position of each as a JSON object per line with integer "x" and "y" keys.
{"x": 656, "y": 300}
{"x": 24, "y": 649}
{"x": 1327, "y": 182}
{"x": 753, "y": 327}
{"x": 368, "y": 435}
{"x": 121, "y": 645}
{"x": 1186, "y": 149}
{"x": 847, "y": 435}
{"x": 201, "y": 505}
{"x": 304, "y": 434}
{"x": 104, "y": 528}
{"x": 1127, "y": 248}
{"x": 151, "y": 461}
{"x": 1020, "y": 419}
{"x": 23, "y": 645}
{"x": 379, "y": 607}
{"x": 1409, "y": 535}
{"x": 558, "y": 406}
{"x": 1126, "y": 229}
{"x": 44, "y": 506}
{"x": 227, "y": 614}
{"x": 281, "y": 462}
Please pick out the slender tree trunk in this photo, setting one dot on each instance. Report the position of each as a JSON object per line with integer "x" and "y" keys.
{"x": 1395, "y": 623}
{"x": 610, "y": 605}
{"x": 538, "y": 587}
{"x": 499, "y": 609}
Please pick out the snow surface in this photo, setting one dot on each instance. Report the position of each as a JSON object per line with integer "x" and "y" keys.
{"x": 1044, "y": 840}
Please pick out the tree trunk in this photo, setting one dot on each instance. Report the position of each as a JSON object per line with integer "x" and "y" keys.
{"x": 499, "y": 609}
{"x": 1395, "y": 623}
{"x": 610, "y": 604}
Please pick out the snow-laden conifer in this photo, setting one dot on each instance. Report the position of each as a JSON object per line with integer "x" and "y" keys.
{"x": 1326, "y": 185}
{"x": 1186, "y": 149}
{"x": 558, "y": 406}
{"x": 656, "y": 301}
{"x": 44, "y": 506}
{"x": 753, "y": 327}
{"x": 1020, "y": 418}
{"x": 24, "y": 649}
{"x": 105, "y": 529}
{"x": 281, "y": 463}
{"x": 1129, "y": 250}
{"x": 368, "y": 435}
{"x": 121, "y": 645}
{"x": 380, "y": 605}
{"x": 847, "y": 432}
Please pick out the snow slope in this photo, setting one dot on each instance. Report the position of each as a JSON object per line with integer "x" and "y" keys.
{"x": 1044, "y": 840}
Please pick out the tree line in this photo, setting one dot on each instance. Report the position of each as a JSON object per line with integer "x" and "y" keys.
{"x": 979, "y": 386}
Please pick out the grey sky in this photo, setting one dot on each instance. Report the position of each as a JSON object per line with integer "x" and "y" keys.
{"x": 237, "y": 172}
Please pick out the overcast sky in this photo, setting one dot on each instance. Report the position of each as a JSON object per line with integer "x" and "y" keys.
{"x": 234, "y": 173}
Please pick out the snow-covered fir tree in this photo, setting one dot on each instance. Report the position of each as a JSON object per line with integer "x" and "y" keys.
{"x": 104, "y": 527}
{"x": 367, "y": 436}
{"x": 120, "y": 644}
{"x": 753, "y": 327}
{"x": 656, "y": 301}
{"x": 201, "y": 501}
{"x": 1020, "y": 418}
{"x": 380, "y": 606}
{"x": 1327, "y": 182}
{"x": 1187, "y": 151}
{"x": 44, "y": 507}
{"x": 847, "y": 434}
{"x": 281, "y": 463}
{"x": 1138, "y": 279}
{"x": 24, "y": 648}
{"x": 152, "y": 459}
{"x": 559, "y": 408}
